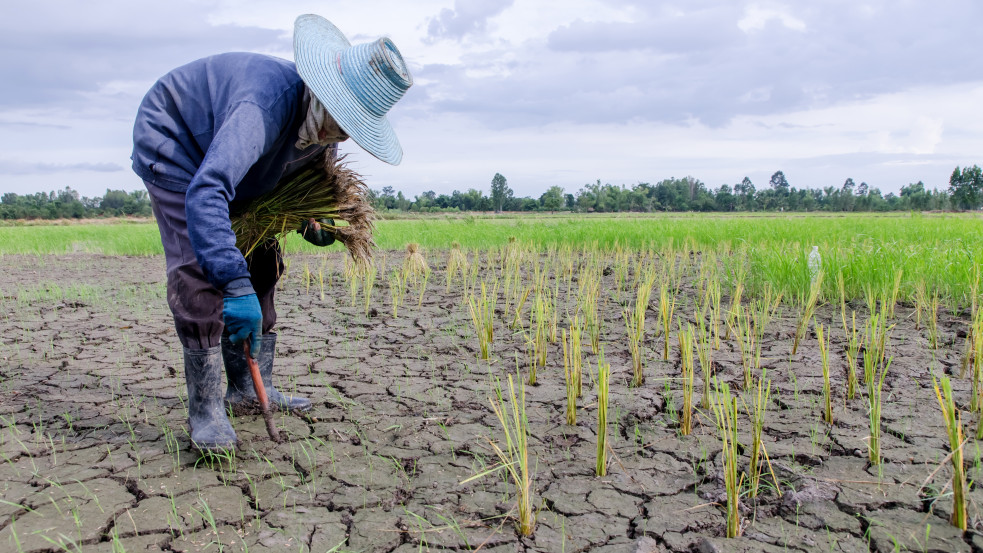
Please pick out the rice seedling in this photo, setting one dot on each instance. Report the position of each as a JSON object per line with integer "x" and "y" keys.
{"x": 423, "y": 287}
{"x": 895, "y": 291}
{"x": 517, "y": 319}
{"x": 743, "y": 330}
{"x": 824, "y": 359}
{"x": 325, "y": 189}
{"x": 704, "y": 352}
{"x": 576, "y": 355}
{"x": 953, "y": 425}
{"x": 976, "y": 361}
{"x": 725, "y": 412}
{"x": 397, "y": 289}
{"x": 874, "y": 374}
{"x": 481, "y": 312}
{"x": 686, "y": 339}
{"x": 756, "y": 412}
{"x": 514, "y": 456}
{"x": 368, "y": 284}
{"x": 635, "y": 324}
{"x": 854, "y": 343}
{"x": 763, "y": 310}
{"x": 933, "y": 320}
{"x": 457, "y": 263}
{"x": 666, "y": 308}
{"x": 307, "y": 279}
{"x": 603, "y": 380}
{"x": 570, "y": 378}
{"x": 735, "y": 305}
{"x": 590, "y": 284}
{"x": 807, "y": 309}
{"x": 539, "y": 327}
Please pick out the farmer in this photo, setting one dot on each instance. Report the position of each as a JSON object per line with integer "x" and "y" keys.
{"x": 214, "y": 134}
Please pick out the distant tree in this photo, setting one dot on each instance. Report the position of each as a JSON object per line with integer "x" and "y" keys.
{"x": 779, "y": 189}
{"x": 552, "y": 199}
{"x": 966, "y": 187}
{"x": 725, "y": 199}
{"x": 500, "y": 192}
{"x": 745, "y": 191}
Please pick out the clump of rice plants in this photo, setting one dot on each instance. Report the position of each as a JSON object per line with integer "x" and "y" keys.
{"x": 603, "y": 380}
{"x": 325, "y": 189}
{"x": 590, "y": 285}
{"x": 743, "y": 329}
{"x": 635, "y": 323}
{"x": 756, "y": 412}
{"x": 414, "y": 264}
{"x": 704, "y": 352}
{"x": 808, "y": 309}
{"x": 875, "y": 369}
{"x": 854, "y": 343}
{"x": 570, "y": 379}
{"x": 397, "y": 289}
{"x": 368, "y": 283}
{"x": 686, "y": 340}
{"x": 666, "y": 307}
{"x": 953, "y": 425}
{"x": 514, "y": 456}
{"x": 824, "y": 360}
{"x": 735, "y": 305}
{"x": 457, "y": 263}
{"x": 481, "y": 311}
{"x": 725, "y": 412}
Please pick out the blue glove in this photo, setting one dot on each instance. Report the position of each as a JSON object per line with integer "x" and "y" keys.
{"x": 244, "y": 319}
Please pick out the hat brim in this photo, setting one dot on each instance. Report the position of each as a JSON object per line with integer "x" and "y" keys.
{"x": 317, "y": 44}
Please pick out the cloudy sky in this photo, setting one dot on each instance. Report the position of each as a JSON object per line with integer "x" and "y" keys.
{"x": 546, "y": 93}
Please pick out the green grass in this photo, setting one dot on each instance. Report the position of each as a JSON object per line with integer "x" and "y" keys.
{"x": 869, "y": 249}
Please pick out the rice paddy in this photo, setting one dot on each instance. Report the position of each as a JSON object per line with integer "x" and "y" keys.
{"x": 544, "y": 384}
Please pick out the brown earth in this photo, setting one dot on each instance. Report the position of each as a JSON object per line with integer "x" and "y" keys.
{"x": 95, "y": 451}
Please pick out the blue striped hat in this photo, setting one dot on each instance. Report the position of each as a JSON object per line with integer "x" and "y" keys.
{"x": 356, "y": 84}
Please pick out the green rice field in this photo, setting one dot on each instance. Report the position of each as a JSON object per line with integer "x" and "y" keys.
{"x": 940, "y": 251}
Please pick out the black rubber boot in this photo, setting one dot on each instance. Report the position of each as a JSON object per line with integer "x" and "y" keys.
{"x": 241, "y": 395}
{"x": 211, "y": 430}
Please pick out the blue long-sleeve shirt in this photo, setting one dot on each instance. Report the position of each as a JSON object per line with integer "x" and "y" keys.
{"x": 221, "y": 129}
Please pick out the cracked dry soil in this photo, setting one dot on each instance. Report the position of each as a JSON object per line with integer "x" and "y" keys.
{"x": 95, "y": 452}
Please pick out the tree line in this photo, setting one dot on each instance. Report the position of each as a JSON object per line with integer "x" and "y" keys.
{"x": 965, "y": 192}
{"x": 67, "y": 204}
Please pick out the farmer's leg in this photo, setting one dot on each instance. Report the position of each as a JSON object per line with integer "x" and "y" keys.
{"x": 197, "y": 309}
{"x": 265, "y": 267}
{"x": 195, "y": 303}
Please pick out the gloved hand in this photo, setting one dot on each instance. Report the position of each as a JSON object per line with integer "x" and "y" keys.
{"x": 244, "y": 319}
{"x": 316, "y": 233}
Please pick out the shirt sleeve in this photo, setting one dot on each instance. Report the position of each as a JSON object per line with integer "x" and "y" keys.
{"x": 246, "y": 134}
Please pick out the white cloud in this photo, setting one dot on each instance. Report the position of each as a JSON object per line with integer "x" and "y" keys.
{"x": 757, "y": 17}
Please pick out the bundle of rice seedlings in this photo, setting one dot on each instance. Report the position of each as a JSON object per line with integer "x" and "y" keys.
{"x": 415, "y": 265}
{"x": 324, "y": 189}
{"x": 456, "y": 262}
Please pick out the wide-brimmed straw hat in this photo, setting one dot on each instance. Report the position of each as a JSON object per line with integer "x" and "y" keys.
{"x": 356, "y": 84}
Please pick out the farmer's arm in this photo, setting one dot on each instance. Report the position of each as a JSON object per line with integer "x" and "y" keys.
{"x": 247, "y": 133}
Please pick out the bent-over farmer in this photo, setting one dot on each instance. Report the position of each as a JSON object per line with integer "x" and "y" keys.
{"x": 214, "y": 134}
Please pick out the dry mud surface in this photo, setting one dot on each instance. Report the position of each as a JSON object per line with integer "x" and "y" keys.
{"x": 94, "y": 450}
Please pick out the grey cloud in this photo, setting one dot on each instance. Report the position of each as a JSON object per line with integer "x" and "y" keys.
{"x": 468, "y": 16}
{"x": 699, "y": 31}
{"x": 60, "y": 59}
{"x": 701, "y": 66}
{"x": 9, "y": 167}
